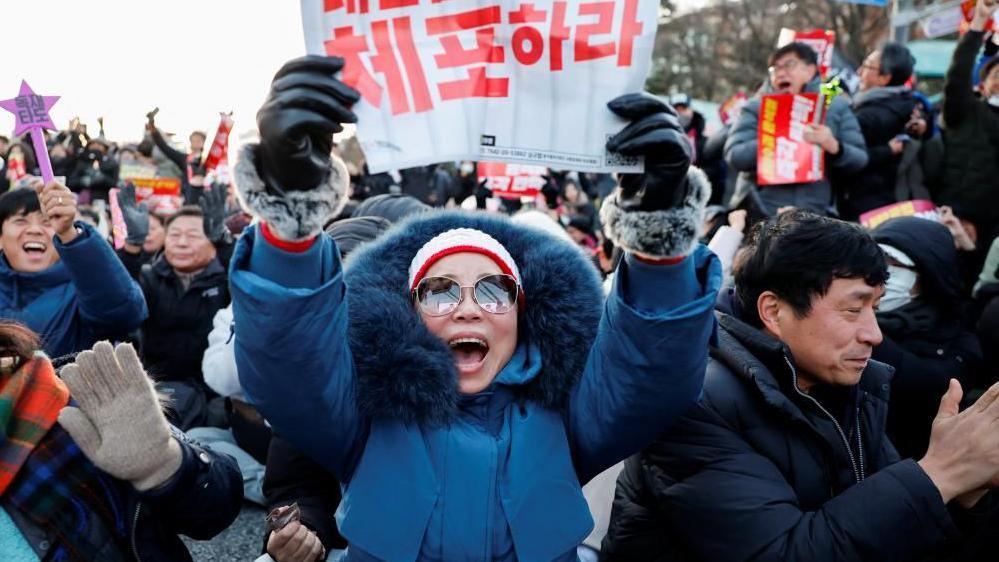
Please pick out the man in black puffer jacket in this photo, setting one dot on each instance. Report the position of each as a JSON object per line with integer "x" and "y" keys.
{"x": 883, "y": 107}
{"x": 184, "y": 288}
{"x": 785, "y": 456}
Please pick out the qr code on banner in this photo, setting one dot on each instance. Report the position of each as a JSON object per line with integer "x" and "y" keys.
{"x": 612, "y": 158}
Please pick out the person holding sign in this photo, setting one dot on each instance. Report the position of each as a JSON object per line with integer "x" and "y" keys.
{"x": 463, "y": 376}
{"x": 793, "y": 70}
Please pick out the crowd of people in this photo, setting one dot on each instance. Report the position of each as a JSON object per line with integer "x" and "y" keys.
{"x": 673, "y": 365}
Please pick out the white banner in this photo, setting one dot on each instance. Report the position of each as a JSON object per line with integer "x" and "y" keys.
{"x": 502, "y": 80}
{"x": 942, "y": 23}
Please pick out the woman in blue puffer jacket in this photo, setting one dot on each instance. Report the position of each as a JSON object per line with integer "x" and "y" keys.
{"x": 463, "y": 376}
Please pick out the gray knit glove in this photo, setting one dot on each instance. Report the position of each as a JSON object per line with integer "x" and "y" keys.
{"x": 119, "y": 424}
{"x": 135, "y": 214}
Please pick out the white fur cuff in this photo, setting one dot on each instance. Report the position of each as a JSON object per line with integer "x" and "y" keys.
{"x": 296, "y": 215}
{"x": 668, "y": 233}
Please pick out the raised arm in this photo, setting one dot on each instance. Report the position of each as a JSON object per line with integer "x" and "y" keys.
{"x": 647, "y": 363}
{"x": 959, "y": 96}
{"x": 289, "y": 298}
{"x": 110, "y": 301}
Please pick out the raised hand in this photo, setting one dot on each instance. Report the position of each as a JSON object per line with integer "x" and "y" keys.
{"x": 655, "y": 132}
{"x": 305, "y": 107}
{"x": 658, "y": 213}
{"x": 291, "y": 179}
{"x": 58, "y": 203}
{"x": 212, "y": 205}
{"x": 135, "y": 214}
{"x": 117, "y": 422}
{"x": 963, "y": 453}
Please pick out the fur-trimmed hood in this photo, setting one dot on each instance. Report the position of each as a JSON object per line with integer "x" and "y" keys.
{"x": 405, "y": 371}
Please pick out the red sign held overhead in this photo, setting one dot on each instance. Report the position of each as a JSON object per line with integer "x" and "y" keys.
{"x": 822, "y": 41}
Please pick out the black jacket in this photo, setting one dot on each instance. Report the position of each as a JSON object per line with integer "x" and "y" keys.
{"x": 882, "y": 114}
{"x": 758, "y": 471}
{"x": 200, "y": 501}
{"x": 175, "y": 336}
{"x": 971, "y": 136}
{"x": 925, "y": 340}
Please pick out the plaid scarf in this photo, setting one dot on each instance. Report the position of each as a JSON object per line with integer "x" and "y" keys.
{"x": 45, "y": 475}
{"x": 64, "y": 493}
{"x": 30, "y": 400}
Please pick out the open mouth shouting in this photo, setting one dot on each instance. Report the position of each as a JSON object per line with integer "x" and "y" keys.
{"x": 34, "y": 249}
{"x": 469, "y": 353}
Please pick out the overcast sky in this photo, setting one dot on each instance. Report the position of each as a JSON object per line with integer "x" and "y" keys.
{"x": 121, "y": 58}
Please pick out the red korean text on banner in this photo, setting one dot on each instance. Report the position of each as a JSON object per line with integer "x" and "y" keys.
{"x": 783, "y": 156}
{"x": 512, "y": 181}
{"x": 445, "y": 80}
{"x": 384, "y": 58}
{"x": 822, "y": 41}
{"x": 921, "y": 208}
{"x": 220, "y": 146}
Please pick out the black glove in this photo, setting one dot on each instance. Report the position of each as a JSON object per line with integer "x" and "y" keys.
{"x": 212, "y": 205}
{"x": 657, "y": 213}
{"x": 656, "y": 133}
{"x": 135, "y": 215}
{"x": 305, "y": 107}
{"x": 291, "y": 180}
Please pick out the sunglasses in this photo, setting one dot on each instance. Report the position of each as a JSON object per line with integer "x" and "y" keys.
{"x": 440, "y": 296}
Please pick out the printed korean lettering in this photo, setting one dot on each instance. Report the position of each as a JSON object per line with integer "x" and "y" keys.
{"x": 485, "y": 52}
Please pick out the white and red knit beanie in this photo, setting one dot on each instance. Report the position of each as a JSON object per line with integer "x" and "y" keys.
{"x": 456, "y": 241}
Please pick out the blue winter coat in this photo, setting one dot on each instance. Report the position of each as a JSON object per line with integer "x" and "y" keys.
{"x": 342, "y": 366}
{"x": 85, "y": 297}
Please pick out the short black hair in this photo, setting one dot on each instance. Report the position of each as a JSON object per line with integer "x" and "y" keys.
{"x": 4, "y": 138}
{"x": 798, "y": 254}
{"x": 18, "y": 202}
{"x": 897, "y": 61}
{"x": 185, "y": 211}
{"x": 798, "y": 49}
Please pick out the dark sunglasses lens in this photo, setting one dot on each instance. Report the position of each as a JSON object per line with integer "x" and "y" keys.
{"x": 496, "y": 293}
{"x": 438, "y": 295}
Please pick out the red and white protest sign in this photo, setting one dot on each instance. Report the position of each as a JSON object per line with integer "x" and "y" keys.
{"x": 921, "y": 208}
{"x": 161, "y": 194}
{"x": 504, "y": 80}
{"x": 220, "y": 146}
{"x": 512, "y": 181}
{"x": 782, "y": 154}
{"x": 730, "y": 108}
{"x": 822, "y": 41}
